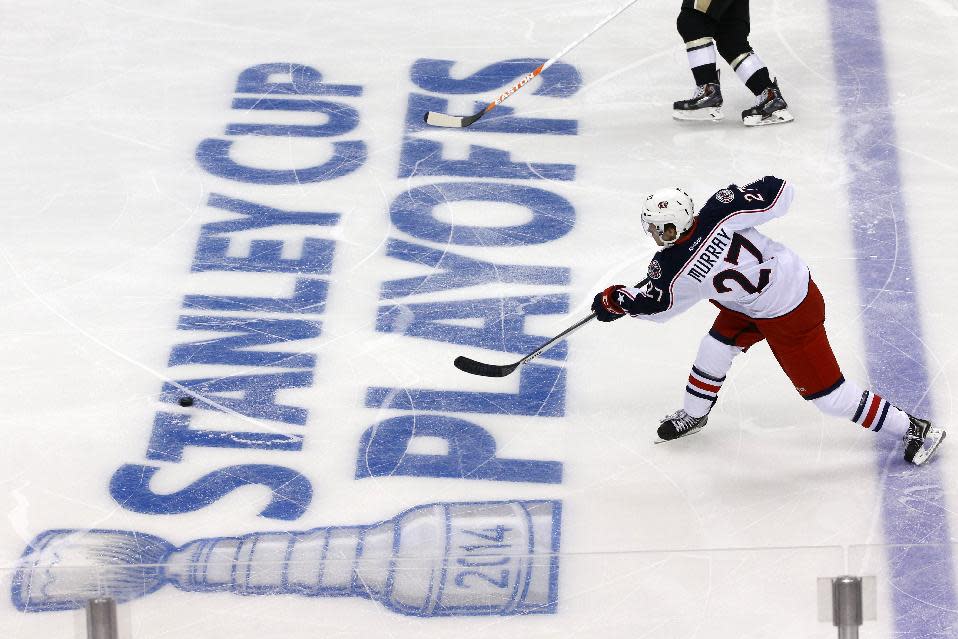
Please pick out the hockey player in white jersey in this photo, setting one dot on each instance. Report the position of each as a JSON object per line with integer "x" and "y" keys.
{"x": 764, "y": 291}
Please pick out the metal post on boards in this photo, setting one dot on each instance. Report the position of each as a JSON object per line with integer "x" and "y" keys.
{"x": 101, "y": 618}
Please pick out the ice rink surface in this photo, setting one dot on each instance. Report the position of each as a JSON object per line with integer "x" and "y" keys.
{"x": 239, "y": 202}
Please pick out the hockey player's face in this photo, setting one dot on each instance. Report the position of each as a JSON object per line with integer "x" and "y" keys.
{"x": 662, "y": 238}
{"x": 654, "y": 232}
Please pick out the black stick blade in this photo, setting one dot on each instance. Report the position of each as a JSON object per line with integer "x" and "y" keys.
{"x": 473, "y": 367}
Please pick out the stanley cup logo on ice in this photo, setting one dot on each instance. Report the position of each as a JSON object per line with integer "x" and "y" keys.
{"x": 484, "y": 558}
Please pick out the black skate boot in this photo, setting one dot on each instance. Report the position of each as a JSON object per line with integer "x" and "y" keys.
{"x": 921, "y": 440}
{"x": 680, "y": 424}
{"x": 770, "y": 108}
{"x": 706, "y": 104}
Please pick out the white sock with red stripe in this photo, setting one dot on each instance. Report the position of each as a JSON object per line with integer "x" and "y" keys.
{"x": 712, "y": 363}
{"x": 865, "y": 408}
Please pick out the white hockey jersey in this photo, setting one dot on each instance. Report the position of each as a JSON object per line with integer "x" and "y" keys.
{"x": 725, "y": 259}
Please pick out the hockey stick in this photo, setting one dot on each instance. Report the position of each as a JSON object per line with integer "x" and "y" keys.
{"x": 491, "y": 370}
{"x": 461, "y": 121}
{"x": 473, "y": 367}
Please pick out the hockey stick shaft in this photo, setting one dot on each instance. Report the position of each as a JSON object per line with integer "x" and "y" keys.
{"x": 493, "y": 370}
{"x": 441, "y": 119}
{"x": 548, "y": 63}
{"x": 552, "y": 342}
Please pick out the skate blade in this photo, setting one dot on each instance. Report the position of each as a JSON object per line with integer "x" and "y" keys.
{"x": 777, "y": 117}
{"x": 697, "y": 430}
{"x": 711, "y": 114}
{"x": 924, "y": 454}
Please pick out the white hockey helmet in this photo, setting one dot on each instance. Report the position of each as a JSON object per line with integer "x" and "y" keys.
{"x": 667, "y": 206}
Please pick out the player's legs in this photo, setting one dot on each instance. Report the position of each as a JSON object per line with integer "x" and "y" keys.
{"x": 696, "y": 24}
{"x": 697, "y": 29}
{"x": 730, "y": 335}
{"x": 864, "y": 407}
{"x": 707, "y": 376}
{"x": 731, "y": 36}
{"x": 800, "y": 344}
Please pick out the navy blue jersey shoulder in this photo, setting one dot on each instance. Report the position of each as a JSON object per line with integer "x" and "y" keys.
{"x": 656, "y": 296}
{"x": 756, "y": 195}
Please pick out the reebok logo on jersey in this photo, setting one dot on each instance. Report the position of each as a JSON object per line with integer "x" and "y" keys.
{"x": 695, "y": 244}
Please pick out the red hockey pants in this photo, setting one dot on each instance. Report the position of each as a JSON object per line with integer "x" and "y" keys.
{"x": 797, "y": 339}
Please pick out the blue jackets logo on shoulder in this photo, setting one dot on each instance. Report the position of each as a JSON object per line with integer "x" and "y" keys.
{"x": 655, "y": 270}
{"x": 725, "y": 196}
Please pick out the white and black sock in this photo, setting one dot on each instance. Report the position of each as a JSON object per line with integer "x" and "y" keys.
{"x": 701, "y": 54}
{"x": 752, "y": 72}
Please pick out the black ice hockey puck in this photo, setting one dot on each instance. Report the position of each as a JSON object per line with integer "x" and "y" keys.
{"x": 186, "y": 401}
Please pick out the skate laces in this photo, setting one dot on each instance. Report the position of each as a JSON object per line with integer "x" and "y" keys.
{"x": 765, "y": 96}
{"x": 768, "y": 96}
{"x": 682, "y": 420}
{"x": 914, "y": 432}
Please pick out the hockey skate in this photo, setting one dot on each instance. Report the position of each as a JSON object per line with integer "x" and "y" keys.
{"x": 921, "y": 440}
{"x": 705, "y": 104}
{"x": 680, "y": 424}
{"x": 770, "y": 108}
